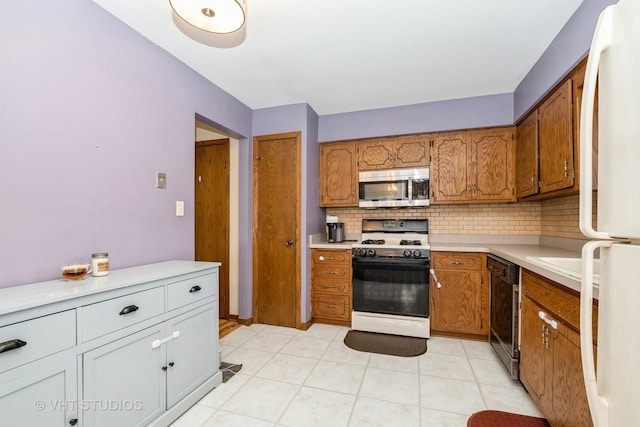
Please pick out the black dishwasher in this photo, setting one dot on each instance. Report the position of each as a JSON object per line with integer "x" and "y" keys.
{"x": 505, "y": 292}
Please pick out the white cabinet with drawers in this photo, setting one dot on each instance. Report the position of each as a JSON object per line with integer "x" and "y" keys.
{"x": 137, "y": 347}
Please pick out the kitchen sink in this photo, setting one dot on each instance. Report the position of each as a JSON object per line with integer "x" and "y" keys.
{"x": 568, "y": 266}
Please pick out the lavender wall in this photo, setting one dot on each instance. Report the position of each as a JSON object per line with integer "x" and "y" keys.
{"x": 90, "y": 111}
{"x": 292, "y": 118}
{"x": 566, "y": 50}
{"x": 482, "y": 111}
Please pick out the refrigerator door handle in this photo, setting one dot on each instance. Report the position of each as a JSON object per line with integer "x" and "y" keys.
{"x": 601, "y": 41}
{"x": 598, "y": 404}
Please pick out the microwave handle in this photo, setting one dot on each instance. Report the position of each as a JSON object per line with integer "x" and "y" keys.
{"x": 410, "y": 189}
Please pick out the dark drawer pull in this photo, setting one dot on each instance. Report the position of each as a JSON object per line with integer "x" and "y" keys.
{"x": 128, "y": 309}
{"x": 196, "y": 288}
{"x": 11, "y": 345}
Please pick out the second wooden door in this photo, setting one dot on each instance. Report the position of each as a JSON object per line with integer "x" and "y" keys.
{"x": 276, "y": 240}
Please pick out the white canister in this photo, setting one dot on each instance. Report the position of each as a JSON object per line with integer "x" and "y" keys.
{"x": 100, "y": 264}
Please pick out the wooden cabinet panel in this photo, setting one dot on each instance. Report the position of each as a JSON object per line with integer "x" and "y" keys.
{"x": 555, "y": 129}
{"x": 460, "y": 297}
{"x": 378, "y": 154}
{"x": 337, "y": 307}
{"x": 450, "y": 175}
{"x": 532, "y": 350}
{"x": 331, "y": 286}
{"x": 493, "y": 164}
{"x": 412, "y": 151}
{"x": 399, "y": 152}
{"x": 338, "y": 174}
{"x": 550, "y": 359}
{"x": 473, "y": 166}
{"x": 457, "y": 261}
{"x": 527, "y": 156}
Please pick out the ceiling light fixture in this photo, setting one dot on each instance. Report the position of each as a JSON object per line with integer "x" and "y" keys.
{"x": 214, "y": 16}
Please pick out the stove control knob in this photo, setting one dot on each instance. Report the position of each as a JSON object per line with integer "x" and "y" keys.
{"x": 362, "y": 251}
{"x": 407, "y": 253}
{"x": 417, "y": 253}
{"x": 371, "y": 252}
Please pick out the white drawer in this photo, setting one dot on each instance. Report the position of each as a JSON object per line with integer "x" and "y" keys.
{"x": 188, "y": 291}
{"x": 117, "y": 313}
{"x": 33, "y": 339}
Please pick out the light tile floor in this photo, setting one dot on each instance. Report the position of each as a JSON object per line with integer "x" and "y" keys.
{"x": 310, "y": 378}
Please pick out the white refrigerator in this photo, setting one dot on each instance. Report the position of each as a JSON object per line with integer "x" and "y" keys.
{"x": 613, "y": 389}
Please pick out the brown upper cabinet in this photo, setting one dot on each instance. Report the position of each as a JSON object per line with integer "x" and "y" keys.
{"x": 338, "y": 174}
{"x": 473, "y": 166}
{"x": 399, "y": 152}
{"x": 547, "y": 153}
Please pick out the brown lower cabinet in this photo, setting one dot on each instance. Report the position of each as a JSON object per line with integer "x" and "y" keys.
{"x": 550, "y": 360}
{"x": 459, "y": 300}
{"x": 331, "y": 286}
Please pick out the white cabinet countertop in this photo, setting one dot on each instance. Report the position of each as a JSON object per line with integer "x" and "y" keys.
{"x": 17, "y": 298}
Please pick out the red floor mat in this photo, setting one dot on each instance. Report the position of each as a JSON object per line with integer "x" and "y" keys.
{"x": 504, "y": 419}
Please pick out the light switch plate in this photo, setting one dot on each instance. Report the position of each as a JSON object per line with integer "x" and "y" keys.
{"x": 161, "y": 180}
{"x": 179, "y": 208}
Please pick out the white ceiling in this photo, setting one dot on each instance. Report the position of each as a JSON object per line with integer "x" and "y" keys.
{"x": 350, "y": 55}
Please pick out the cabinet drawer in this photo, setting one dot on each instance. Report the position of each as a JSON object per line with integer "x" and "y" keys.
{"x": 329, "y": 256}
{"x": 192, "y": 290}
{"x": 43, "y": 336}
{"x": 334, "y": 306}
{"x": 108, "y": 316}
{"x": 564, "y": 304}
{"x": 456, "y": 261}
{"x": 334, "y": 286}
{"x": 332, "y": 272}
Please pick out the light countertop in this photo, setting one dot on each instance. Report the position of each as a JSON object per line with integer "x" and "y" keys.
{"x": 517, "y": 249}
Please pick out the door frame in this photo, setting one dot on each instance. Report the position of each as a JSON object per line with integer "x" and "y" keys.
{"x": 254, "y": 235}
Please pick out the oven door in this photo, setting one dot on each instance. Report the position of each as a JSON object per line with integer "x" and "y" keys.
{"x": 391, "y": 286}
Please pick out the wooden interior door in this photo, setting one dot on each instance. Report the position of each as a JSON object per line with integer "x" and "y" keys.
{"x": 212, "y": 211}
{"x": 276, "y": 229}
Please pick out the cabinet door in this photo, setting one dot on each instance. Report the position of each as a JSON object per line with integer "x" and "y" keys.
{"x": 492, "y": 164}
{"x": 377, "y": 154}
{"x": 411, "y": 152}
{"x": 456, "y": 306}
{"x": 555, "y": 129}
{"x": 532, "y": 350}
{"x": 527, "y": 156}
{"x": 569, "y": 404}
{"x": 338, "y": 175}
{"x": 192, "y": 357}
{"x": 40, "y": 397}
{"x": 450, "y": 174}
{"x": 124, "y": 381}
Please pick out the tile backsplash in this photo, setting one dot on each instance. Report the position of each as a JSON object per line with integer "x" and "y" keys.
{"x": 555, "y": 217}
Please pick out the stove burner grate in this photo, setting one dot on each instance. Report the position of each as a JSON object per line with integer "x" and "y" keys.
{"x": 411, "y": 242}
{"x": 373, "y": 242}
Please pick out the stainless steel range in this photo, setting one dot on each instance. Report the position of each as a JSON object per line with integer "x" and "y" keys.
{"x": 390, "y": 277}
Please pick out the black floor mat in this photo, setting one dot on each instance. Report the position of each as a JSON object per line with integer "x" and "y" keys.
{"x": 394, "y": 345}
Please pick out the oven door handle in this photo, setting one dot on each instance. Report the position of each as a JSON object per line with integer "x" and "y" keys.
{"x": 421, "y": 263}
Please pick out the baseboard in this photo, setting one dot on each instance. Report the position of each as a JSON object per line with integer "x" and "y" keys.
{"x": 245, "y": 322}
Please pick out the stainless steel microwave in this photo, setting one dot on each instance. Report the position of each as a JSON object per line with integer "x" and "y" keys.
{"x": 394, "y": 188}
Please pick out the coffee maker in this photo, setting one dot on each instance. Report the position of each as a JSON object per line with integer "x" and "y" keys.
{"x": 335, "y": 229}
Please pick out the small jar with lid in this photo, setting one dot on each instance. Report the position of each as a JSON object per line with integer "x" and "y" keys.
{"x": 100, "y": 264}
